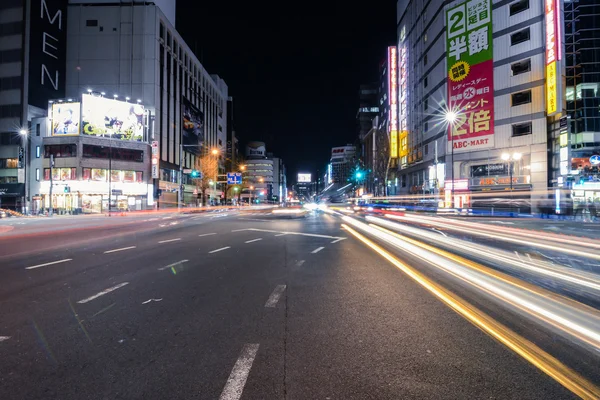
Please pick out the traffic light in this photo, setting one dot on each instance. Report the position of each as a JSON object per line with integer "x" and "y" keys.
{"x": 195, "y": 173}
{"x": 67, "y": 189}
{"x": 358, "y": 174}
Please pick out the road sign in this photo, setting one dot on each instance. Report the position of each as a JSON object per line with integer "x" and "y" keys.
{"x": 234, "y": 178}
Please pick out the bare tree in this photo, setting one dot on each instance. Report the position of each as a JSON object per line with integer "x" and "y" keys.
{"x": 208, "y": 166}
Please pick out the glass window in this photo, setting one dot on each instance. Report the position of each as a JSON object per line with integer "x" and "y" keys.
{"x": 519, "y": 6}
{"x": 425, "y": 82}
{"x": 116, "y": 153}
{"x": 521, "y": 129}
{"x": 38, "y": 130}
{"x": 521, "y": 98}
{"x": 60, "y": 150}
{"x": 520, "y": 37}
{"x": 9, "y": 163}
{"x": 520, "y": 67}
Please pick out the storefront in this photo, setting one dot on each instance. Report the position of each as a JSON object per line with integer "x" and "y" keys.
{"x": 11, "y": 195}
{"x": 89, "y": 197}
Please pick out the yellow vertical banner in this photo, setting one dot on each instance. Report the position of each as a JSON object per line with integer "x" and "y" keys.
{"x": 394, "y": 144}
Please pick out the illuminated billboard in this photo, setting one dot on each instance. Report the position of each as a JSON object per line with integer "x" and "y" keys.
{"x": 66, "y": 118}
{"x": 112, "y": 118}
{"x": 403, "y": 100}
{"x": 469, "y": 57}
{"x": 393, "y": 99}
{"x": 553, "y": 56}
{"x": 193, "y": 127}
{"x": 304, "y": 178}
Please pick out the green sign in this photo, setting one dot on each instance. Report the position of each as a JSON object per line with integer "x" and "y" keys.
{"x": 469, "y": 33}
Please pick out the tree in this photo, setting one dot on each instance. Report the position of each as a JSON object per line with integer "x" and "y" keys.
{"x": 208, "y": 166}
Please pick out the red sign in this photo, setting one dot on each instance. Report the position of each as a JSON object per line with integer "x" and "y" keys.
{"x": 393, "y": 86}
{"x": 474, "y": 98}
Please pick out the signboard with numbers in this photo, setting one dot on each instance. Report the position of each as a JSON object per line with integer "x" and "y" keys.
{"x": 469, "y": 57}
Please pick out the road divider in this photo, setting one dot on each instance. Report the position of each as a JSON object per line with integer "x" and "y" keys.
{"x": 102, "y": 293}
{"x": 49, "y": 263}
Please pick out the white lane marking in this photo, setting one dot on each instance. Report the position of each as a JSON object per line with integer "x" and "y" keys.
{"x": 3, "y": 338}
{"x": 174, "y": 223}
{"x": 237, "y": 379}
{"x": 102, "y": 293}
{"x": 167, "y": 217}
{"x": 253, "y": 240}
{"x": 206, "y": 234}
{"x": 256, "y": 219}
{"x": 153, "y": 219}
{"x": 121, "y": 249}
{"x": 49, "y": 263}
{"x": 299, "y": 263}
{"x": 275, "y": 296}
{"x": 318, "y": 249}
{"x": 169, "y": 240}
{"x": 149, "y": 300}
{"x": 287, "y": 233}
{"x": 338, "y": 240}
{"x": 173, "y": 265}
{"x": 221, "y": 249}
{"x": 162, "y": 225}
{"x": 438, "y": 231}
{"x": 281, "y": 234}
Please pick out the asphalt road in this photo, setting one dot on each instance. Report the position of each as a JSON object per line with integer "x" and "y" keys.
{"x": 242, "y": 305}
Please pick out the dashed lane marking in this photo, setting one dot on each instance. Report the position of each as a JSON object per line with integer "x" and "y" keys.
{"x": 102, "y": 293}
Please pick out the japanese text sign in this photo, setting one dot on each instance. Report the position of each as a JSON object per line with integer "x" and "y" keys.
{"x": 469, "y": 57}
{"x": 553, "y": 55}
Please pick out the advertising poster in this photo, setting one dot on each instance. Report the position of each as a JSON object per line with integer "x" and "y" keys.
{"x": 66, "y": 118}
{"x": 553, "y": 56}
{"x": 112, "y": 118}
{"x": 469, "y": 57}
{"x": 304, "y": 178}
{"x": 193, "y": 127}
{"x": 393, "y": 99}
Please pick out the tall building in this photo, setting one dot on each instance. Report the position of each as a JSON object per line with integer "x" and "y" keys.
{"x": 32, "y": 70}
{"x": 581, "y": 163}
{"x": 132, "y": 52}
{"x": 367, "y": 107}
{"x": 484, "y": 76}
{"x": 258, "y": 177}
{"x": 343, "y": 161}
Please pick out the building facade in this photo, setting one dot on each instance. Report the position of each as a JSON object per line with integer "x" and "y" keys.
{"x": 133, "y": 53}
{"x": 507, "y": 146}
{"x": 343, "y": 162}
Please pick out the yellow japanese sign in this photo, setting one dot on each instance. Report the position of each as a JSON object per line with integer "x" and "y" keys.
{"x": 551, "y": 89}
{"x": 394, "y": 144}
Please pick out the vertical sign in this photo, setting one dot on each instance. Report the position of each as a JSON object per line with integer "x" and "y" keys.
{"x": 553, "y": 56}
{"x": 565, "y": 157}
{"x": 393, "y": 99}
{"x": 48, "y": 51}
{"x": 403, "y": 97}
{"x": 155, "y": 167}
{"x": 469, "y": 57}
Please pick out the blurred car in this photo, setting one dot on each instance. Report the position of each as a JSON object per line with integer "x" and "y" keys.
{"x": 3, "y": 214}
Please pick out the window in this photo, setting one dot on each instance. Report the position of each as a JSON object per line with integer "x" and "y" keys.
{"x": 425, "y": 104}
{"x": 37, "y": 174}
{"x": 38, "y": 151}
{"x": 10, "y": 83}
{"x": 520, "y": 98}
{"x": 521, "y": 129}
{"x": 116, "y": 153}
{"x": 518, "y": 7}
{"x": 426, "y": 126}
{"x": 427, "y": 149}
{"x": 520, "y": 67}
{"x": 425, "y": 82}
{"x": 162, "y": 31}
{"x": 61, "y": 174}
{"x": 425, "y": 59}
{"x": 38, "y": 130}
{"x": 425, "y": 37}
{"x": 91, "y": 22}
{"x": 9, "y": 163}
{"x": 519, "y": 37}
{"x": 60, "y": 150}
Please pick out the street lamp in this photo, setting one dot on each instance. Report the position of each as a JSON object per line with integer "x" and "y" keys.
{"x": 451, "y": 117}
{"x": 511, "y": 157}
{"x": 23, "y": 133}
{"x": 214, "y": 152}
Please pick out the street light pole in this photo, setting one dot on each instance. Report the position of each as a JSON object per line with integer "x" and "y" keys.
{"x": 23, "y": 133}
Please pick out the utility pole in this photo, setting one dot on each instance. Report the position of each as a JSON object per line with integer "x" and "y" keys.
{"x": 51, "y": 184}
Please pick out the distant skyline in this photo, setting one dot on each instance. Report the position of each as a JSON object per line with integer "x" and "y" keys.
{"x": 294, "y": 78}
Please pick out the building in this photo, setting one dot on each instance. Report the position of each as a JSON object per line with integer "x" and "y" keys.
{"x": 497, "y": 137}
{"x": 32, "y": 70}
{"x": 368, "y": 106}
{"x": 278, "y": 193}
{"x": 343, "y": 162}
{"x": 579, "y": 167}
{"x": 127, "y": 63}
{"x": 258, "y": 176}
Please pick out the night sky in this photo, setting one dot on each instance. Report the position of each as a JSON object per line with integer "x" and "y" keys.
{"x": 294, "y": 74}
